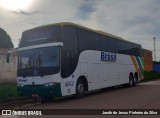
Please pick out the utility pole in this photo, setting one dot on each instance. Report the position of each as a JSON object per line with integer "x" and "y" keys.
{"x": 154, "y": 43}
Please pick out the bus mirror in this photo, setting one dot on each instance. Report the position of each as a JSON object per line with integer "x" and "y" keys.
{"x": 8, "y": 57}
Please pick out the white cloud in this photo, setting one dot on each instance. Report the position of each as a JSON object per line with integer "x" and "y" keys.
{"x": 134, "y": 20}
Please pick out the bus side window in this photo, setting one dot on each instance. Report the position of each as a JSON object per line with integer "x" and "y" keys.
{"x": 69, "y": 51}
{"x": 69, "y": 63}
{"x": 66, "y": 61}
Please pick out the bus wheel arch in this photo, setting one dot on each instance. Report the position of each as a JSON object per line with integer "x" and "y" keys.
{"x": 81, "y": 87}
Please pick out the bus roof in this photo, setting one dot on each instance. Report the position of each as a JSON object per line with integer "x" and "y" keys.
{"x": 86, "y": 28}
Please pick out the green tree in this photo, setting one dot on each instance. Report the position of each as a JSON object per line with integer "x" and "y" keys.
{"x": 5, "y": 40}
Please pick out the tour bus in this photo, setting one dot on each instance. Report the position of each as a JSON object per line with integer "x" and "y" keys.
{"x": 65, "y": 59}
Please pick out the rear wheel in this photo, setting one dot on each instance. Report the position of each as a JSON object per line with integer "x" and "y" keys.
{"x": 80, "y": 89}
{"x": 131, "y": 80}
{"x": 135, "y": 79}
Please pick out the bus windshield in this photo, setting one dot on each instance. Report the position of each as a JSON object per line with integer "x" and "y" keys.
{"x": 38, "y": 62}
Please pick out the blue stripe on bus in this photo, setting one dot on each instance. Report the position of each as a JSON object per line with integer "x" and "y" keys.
{"x": 140, "y": 66}
{"x": 139, "y": 63}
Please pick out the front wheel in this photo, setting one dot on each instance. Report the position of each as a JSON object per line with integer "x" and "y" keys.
{"x": 80, "y": 89}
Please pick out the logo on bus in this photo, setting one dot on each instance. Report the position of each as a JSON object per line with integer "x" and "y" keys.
{"x": 108, "y": 57}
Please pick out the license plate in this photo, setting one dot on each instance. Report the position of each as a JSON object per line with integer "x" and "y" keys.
{"x": 34, "y": 95}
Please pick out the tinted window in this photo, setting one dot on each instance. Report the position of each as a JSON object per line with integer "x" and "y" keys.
{"x": 69, "y": 51}
{"x": 101, "y": 43}
{"x": 69, "y": 63}
{"x": 26, "y": 59}
{"x": 69, "y": 38}
{"x": 105, "y": 43}
{"x": 85, "y": 39}
{"x": 129, "y": 48}
{"x": 47, "y": 57}
{"x": 38, "y": 62}
{"x": 40, "y": 36}
{"x": 66, "y": 64}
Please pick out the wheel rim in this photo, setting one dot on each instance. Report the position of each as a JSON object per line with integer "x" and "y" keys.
{"x": 80, "y": 89}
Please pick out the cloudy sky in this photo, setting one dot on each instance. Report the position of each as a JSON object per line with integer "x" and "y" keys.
{"x": 134, "y": 20}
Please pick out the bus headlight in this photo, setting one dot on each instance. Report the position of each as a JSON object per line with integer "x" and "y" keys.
{"x": 50, "y": 84}
{"x": 20, "y": 85}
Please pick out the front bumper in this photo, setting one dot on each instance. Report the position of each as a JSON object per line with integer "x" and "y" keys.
{"x": 40, "y": 90}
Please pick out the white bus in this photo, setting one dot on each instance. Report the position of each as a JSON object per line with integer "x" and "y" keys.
{"x": 68, "y": 59}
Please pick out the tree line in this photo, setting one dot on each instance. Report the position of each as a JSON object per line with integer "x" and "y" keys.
{"x": 5, "y": 40}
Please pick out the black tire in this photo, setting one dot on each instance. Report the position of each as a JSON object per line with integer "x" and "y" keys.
{"x": 135, "y": 80}
{"x": 131, "y": 80}
{"x": 80, "y": 89}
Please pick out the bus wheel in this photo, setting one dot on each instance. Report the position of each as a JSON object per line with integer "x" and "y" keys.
{"x": 135, "y": 79}
{"x": 131, "y": 80}
{"x": 80, "y": 89}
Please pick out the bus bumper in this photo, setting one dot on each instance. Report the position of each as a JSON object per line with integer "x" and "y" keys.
{"x": 40, "y": 90}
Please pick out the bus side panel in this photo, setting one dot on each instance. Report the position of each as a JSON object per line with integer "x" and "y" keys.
{"x": 99, "y": 74}
{"x": 103, "y": 74}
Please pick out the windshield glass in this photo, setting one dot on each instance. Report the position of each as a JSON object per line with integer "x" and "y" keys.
{"x": 38, "y": 62}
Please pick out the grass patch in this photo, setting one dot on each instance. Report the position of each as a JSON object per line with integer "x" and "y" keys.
{"x": 151, "y": 75}
{"x": 8, "y": 91}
